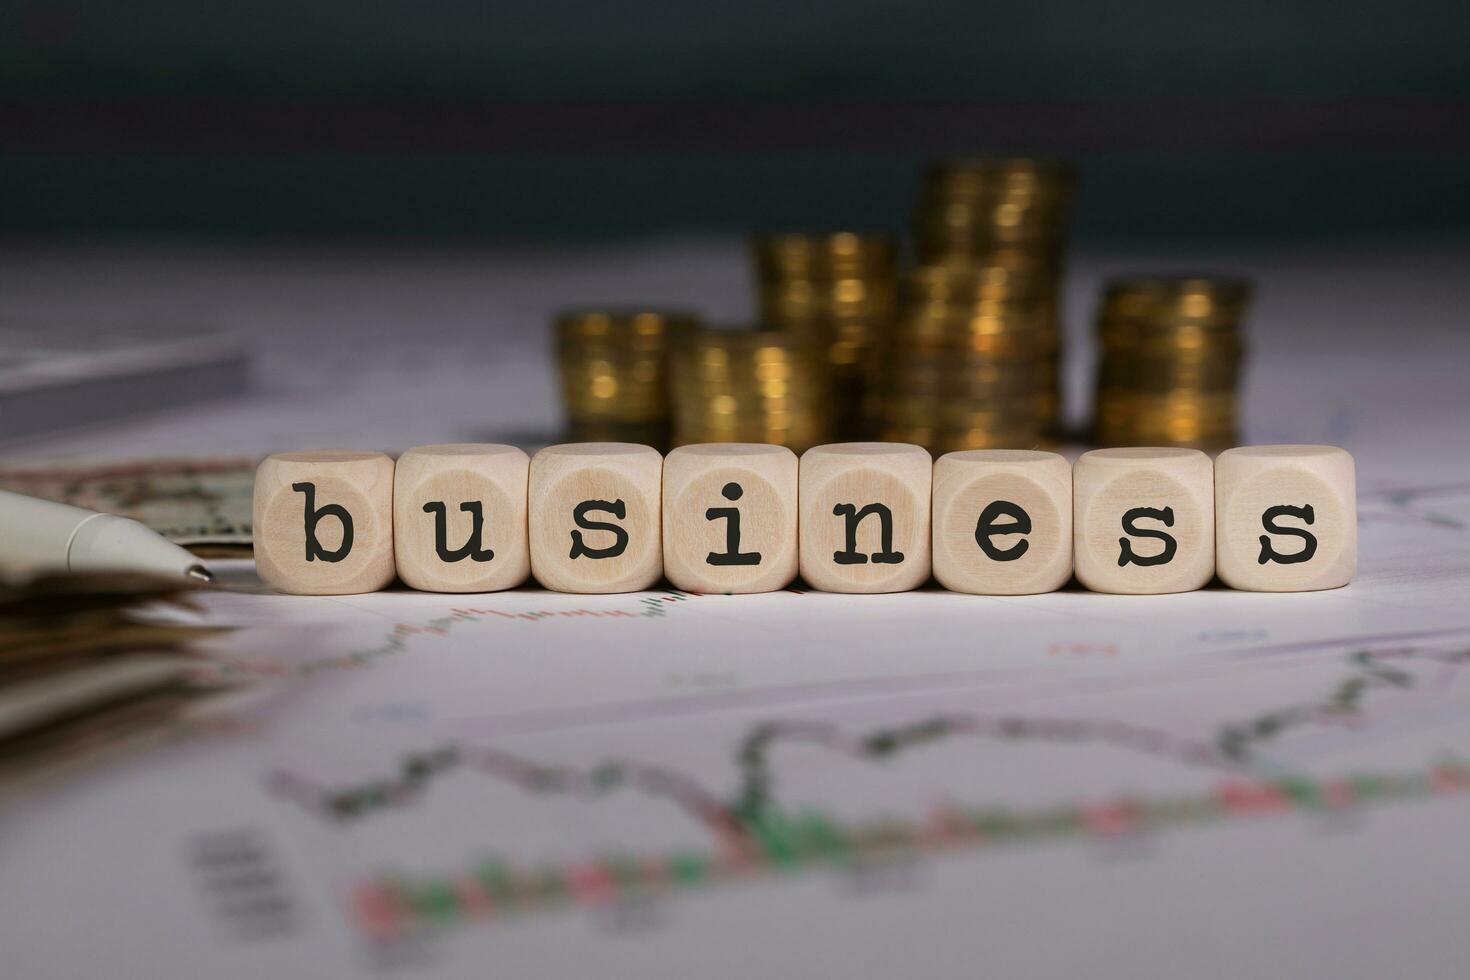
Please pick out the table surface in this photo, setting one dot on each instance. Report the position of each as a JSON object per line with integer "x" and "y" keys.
{"x": 655, "y": 784}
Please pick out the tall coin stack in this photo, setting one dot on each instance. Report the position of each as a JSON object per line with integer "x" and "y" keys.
{"x": 615, "y": 373}
{"x": 1172, "y": 350}
{"x": 750, "y": 386}
{"x": 1008, "y": 213}
{"x": 965, "y": 365}
{"x": 836, "y": 291}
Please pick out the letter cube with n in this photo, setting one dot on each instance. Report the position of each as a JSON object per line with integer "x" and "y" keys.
{"x": 324, "y": 522}
{"x": 864, "y": 523}
{"x": 1143, "y": 520}
{"x": 1002, "y": 521}
{"x": 730, "y": 517}
{"x": 594, "y": 517}
{"x": 1285, "y": 518}
{"x": 459, "y": 517}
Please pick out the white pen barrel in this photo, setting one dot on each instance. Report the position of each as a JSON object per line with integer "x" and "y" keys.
{"x": 35, "y": 534}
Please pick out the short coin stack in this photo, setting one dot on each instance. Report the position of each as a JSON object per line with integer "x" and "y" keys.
{"x": 837, "y": 290}
{"x": 1171, "y": 359}
{"x": 1006, "y": 213}
{"x": 614, "y": 373}
{"x": 967, "y": 362}
{"x": 750, "y": 386}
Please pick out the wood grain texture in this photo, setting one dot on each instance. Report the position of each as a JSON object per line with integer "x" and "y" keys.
{"x": 1143, "y": 520}
{"x": 304, "y": 505}
{"x": 579, "y": 541}
{"x": 850, "y": 494}
{"x": 978, "y": 495}
{"x": 709, "y": 486}
{"x": 1286, "y": 518}
{"x": 459, "y": 517}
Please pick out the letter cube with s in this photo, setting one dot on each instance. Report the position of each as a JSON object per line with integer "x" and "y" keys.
{"x": 595, "y": 523}
{"x": 324, "y": 522}
{"x": 1285, "y": 518}
{"x": 1143, "y": 520}
{"x": 864, "y": 524}
{"x": 1002, "y": 521}
{"x": 730, "y": 517}
{"x": 459, "y": 517}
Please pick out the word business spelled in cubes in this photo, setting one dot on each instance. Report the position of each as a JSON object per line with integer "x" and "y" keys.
{"x": 861, "y": 517}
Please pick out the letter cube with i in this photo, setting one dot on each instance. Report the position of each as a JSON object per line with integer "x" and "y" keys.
{"x": 1286, "y": 518}
{"x": 1143, "y": 520}
{"x": 459, "y": 517}
{"x": 730, "y": 517}
{"x": 594, "y": 517}
{"x": 864, "y": 524}
{"x": 324, "y": 522}
{"x": 1002, "y": 521}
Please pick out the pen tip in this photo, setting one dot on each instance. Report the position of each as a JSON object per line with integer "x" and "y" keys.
{"x": 200, "y": 574}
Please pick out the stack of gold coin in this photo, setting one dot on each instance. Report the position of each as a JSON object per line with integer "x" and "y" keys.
{"x": 1006, "y": 213}
{"x": 1172, "y": 350}
{"x": 965, "y": 363}
{"x": 750, "y": 386}
{"x": 615, "y": 373}
{"x": 836, "y": 290}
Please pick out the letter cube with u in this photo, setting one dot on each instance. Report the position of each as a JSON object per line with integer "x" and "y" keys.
{"x": 459, "y": 517}
{"x": 864, "y": 523}
{"x": 595, "y": 517}
{"x": 324, "y": 522}
{"x": 1285, "y": 518}
{"x": 1144, "y": 520}
{"x": 730, "y": 517}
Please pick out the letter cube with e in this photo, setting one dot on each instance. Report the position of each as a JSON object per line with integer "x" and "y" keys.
{"x": 1143, "y": 520}
{"x": 1002, "y": 521}
{"x": 1286, "y": 518}
{"x": 864, "y": 524}
{"x": 459, "y": 517}
{"x": 594, "y": 517}
{"x": 730, "y": 517}
{"x": 324, "y": 522}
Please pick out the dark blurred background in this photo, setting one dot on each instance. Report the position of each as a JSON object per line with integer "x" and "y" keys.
{"x": 333, "y": 118}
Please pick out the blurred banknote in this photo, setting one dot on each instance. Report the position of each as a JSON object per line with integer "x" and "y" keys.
{"x": 203, "y": 505}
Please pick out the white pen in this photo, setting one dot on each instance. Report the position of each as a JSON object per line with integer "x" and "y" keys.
{"x": 41, "y": 536}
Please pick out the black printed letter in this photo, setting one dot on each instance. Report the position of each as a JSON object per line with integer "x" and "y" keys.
{"x": 732, "y": 554}
{"x": 471, "y": 549}
{"x": 1170, "y": 545}
{"x": 986, "y": 528}
{"x": 579, "y": 514}
{"x": 314, "y": 549}
{"x": 851, "y": 556}
{"x": 1268, "y": 521}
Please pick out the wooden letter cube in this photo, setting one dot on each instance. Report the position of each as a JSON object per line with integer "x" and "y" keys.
{"x": 865, "y": 516}
{"x": 1286, "y": 518}
{"x": 594, "y": 517}
{"x": 459, "y": 517}
{"x": 324, "y": 522}
{"x": 1002, "y": 521}
{"x": 730, "y": 517}
{"x": 1144, "y": 520}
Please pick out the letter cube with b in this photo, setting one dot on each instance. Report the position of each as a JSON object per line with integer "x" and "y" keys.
{"x": 324, "y": 522}
{"x": 730, "y": 517}
{"x": 594, "y": 517}
{"x": 459, "y": 517}
{"x": 1002, "y": 521}
{"x": 1285, "y": 518}
{"x": 864, "y": 524}
{"x": 1143, "y": 520}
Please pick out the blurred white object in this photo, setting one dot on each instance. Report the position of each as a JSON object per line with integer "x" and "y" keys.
{"x": 55, "y": 377}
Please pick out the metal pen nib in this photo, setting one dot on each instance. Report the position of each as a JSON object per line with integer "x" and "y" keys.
{"x": 200, "y": 574}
